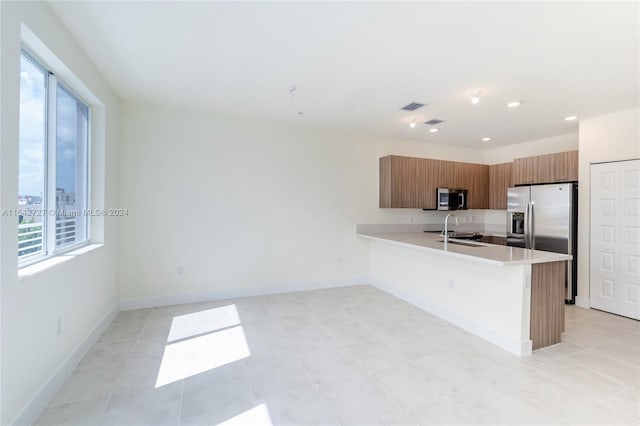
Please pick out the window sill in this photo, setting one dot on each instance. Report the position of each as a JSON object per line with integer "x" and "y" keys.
{"x": 43, "y": 265}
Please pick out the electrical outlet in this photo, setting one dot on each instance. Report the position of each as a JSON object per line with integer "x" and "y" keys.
{"x": 180, "y": 271}
{"x": 340, "y": 260}
{"x": 59, "y": 326}
{"x": 451, "y": 284}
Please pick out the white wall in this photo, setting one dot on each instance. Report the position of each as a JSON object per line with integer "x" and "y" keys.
{"x": 238, "y": 204}
{"x": 246, "y": 205}
{"x": 610, "y": 137}
{"x": 82, "y": 289}
{"x": 223, "y": 206}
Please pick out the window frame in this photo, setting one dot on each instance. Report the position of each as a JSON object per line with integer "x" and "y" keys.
{"x": 49, "y": 248}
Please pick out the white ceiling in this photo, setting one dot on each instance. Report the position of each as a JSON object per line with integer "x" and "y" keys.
{"x": 357, "y": 63}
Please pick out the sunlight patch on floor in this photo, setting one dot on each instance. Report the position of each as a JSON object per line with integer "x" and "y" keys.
{"x": 202, "y": 322}
{"x": 201, "y": 342}
{"x": 257, "y": 416}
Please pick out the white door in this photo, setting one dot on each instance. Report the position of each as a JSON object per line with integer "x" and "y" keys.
{"x": 615, "y": 237}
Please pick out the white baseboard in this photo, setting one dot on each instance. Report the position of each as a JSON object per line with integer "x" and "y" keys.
{"x": 179, "y": 299}
{"x": 583, "y": 302}
{"x": 31, "y": 411}
{"x": 516, "y": 347}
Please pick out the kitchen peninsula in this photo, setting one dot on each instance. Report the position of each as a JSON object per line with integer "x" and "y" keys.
{"x": 509, "y": 296}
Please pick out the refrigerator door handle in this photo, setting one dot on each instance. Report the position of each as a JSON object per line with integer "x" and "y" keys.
{"x": 526, "y": 225}
{"x": 532, "y": 226}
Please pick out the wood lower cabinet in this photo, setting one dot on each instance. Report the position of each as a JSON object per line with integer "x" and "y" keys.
{"x": 499, "y": 182}
{"x": 547, "y": 303}
{"x": 559, "y": 167}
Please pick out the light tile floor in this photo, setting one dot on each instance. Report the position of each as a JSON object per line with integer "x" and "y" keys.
{"x": 349, "y": 356}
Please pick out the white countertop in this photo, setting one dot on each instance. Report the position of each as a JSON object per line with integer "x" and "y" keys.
{"x": 482, "y": 252}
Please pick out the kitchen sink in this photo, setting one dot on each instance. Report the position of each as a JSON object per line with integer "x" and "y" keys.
{"x": 463, "y": 243}
{"x": 460, "y": 235}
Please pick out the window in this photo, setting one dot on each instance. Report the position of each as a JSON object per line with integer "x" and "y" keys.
{"x": 53, "y": 180}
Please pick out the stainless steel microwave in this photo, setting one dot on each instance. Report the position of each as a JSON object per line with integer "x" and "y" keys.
{"x": 451, "y": 199}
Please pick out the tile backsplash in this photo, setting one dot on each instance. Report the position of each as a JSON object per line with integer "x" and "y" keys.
{"x": 483, "y": 221}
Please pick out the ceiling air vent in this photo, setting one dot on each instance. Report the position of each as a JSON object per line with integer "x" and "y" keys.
{"x": 412, "y": 106}
{"x": 433, "y": 122}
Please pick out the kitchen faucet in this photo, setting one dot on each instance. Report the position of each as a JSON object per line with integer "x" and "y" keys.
{"x": 446, "y": 228}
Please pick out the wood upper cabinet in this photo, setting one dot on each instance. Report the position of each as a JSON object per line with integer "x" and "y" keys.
{"x": 398, "y": 181}
{"x": 543, "y": 172}
{"x": 569, "y": 166}
{"x": 499, "y": 181}
{"x": 475, "y": 178}
{"x": 408, "y": 182}
{"x": 524, "y": 170}
{"x": 405, "y": 181}
{"x": 559, "y": 167}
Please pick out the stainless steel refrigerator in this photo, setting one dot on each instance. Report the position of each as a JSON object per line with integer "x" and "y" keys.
{"x": 545, "y": 217}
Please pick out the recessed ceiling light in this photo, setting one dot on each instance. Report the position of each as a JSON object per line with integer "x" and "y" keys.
{"x": 413, "y": 124}
{"x": 571, "y": 118}
{"x": 486, "y": 139}
{"x": 475, "y": 96}
{"x": 514, "y": 104}
{"x": 434, "y": 130}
